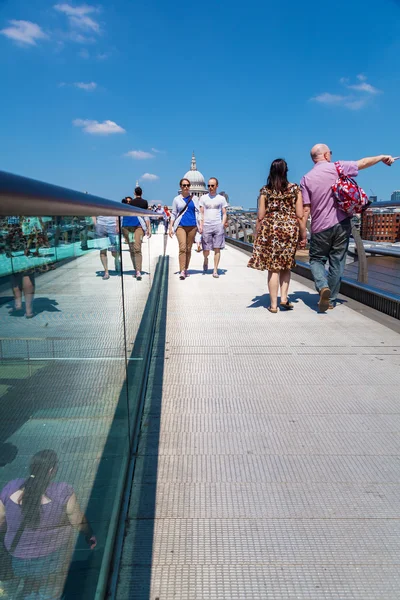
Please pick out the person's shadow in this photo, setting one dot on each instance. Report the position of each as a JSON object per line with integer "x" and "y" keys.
{"x": 260, "y": 302}
{"x": 39, "y": 305}
{"x": 209, "y": 272}
{"x": 132, "y": 273}
{"x": 310, "y": 299}
{"x": 112, "y": 272}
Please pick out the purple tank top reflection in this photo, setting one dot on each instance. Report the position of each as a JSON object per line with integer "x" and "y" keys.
{"x": 54, "y": 530}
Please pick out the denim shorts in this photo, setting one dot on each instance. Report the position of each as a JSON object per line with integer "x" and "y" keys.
{"x": 213, "y": 236}
{"x": 103, "y": 232}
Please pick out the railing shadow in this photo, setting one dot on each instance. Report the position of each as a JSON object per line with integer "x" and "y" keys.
{"x": 135, "y": 577}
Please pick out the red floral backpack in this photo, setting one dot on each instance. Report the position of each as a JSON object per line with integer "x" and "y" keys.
{"x": 350, "y": 198}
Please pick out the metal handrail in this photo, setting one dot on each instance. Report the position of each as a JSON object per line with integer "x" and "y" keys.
{"x": 24, "y": 196}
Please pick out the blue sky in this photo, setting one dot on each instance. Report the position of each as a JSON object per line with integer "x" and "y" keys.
{"x": 96, "y": 96}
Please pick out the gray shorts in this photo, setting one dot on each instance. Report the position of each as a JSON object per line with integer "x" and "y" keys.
{"x": 213, "y": 236}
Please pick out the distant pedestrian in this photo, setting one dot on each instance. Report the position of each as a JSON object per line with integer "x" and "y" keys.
{"x": 212, "y": 224}
{"x": 23, "y": 280}
{"x": 108, "y": 228}
{"x": 39, "y": 515}
{"x": 133, "y": 230}
{"x": 184, "y": 222}
{"x": 279, "y": 219}
{"x": 161, "y": 215}
{"x": 197, "y": 241}
{"x": 330, "y": 226}
{"x": 167, "y": 217}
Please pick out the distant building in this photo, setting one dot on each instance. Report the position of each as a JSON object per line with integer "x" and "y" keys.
{"x": 381, "y": 224}
{"x": 373, "y": 198}
{"x": 197, "y": 183}
{"x": 395, "y": 197}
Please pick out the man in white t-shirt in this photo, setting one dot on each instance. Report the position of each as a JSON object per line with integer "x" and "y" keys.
{"x": 212, "y": 224}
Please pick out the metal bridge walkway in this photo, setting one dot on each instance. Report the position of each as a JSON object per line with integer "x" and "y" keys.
{"x": 268, "y": 465}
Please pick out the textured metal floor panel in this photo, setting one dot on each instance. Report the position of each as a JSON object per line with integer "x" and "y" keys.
{"x": 286, "y": 500}
{"x": 268, "y": 465}
{"x": 252, "y": 468}
{"x": 260, "y": 582}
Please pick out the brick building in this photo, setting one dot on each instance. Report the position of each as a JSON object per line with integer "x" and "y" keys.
{"x": 381, "y": 225}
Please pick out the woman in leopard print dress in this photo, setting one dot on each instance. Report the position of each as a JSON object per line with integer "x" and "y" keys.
{"x": 280, "y": 218}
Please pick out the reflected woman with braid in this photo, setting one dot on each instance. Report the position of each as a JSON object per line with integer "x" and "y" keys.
{"x": 40, "y": 516}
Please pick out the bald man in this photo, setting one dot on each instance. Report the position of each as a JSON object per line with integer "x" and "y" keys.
{"x": 330, "y": 227}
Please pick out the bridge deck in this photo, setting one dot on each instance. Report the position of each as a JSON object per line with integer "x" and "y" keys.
{"x": 268, "y": 465}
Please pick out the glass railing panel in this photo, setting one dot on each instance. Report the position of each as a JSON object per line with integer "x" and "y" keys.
{"x": 139, "y": 253}
{"x": 66, "y": 337}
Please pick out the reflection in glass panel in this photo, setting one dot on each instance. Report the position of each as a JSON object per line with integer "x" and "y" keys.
{"x": 64, "y": 414}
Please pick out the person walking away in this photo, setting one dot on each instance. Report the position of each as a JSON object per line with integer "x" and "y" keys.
{"x": 330, "y": 226}
{"x": 184, "y": 222}
{"x": 108, "y": 227}
{"x": 279, "y": 221}
{"x": 154, "y": 221}
{"x": 39, "y": 516}
{"x": 133, "y": 230}
{"x": 212, "y": 224}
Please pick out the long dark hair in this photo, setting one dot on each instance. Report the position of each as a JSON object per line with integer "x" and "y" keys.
{"x": 41, "y": 470}
{"x": 277, "y": 178}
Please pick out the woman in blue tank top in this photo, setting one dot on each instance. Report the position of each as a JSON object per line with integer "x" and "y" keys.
{"x": 184, "y": 220}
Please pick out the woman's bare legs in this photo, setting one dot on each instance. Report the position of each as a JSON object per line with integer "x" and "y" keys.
{"x": 284, "y": 280}
{"x": 17, "y": 297}
{"x": 28, "y": 286}
{"x": 273, "y": 288}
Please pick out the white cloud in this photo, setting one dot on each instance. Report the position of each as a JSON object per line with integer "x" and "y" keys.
{"x": 88, "y": 87}
{"x": 139, "y": 154}
{"x": 327, "y": 98}
{"x": 350, "y": 102}
{"x": 364, "y": 87}
{"x": 24, "y": 32}
{"x": 94, "y": 127}
{"x": 78, "y": 16}
{"x": 149, "y": 177}
{"x": 158, "y": 151}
